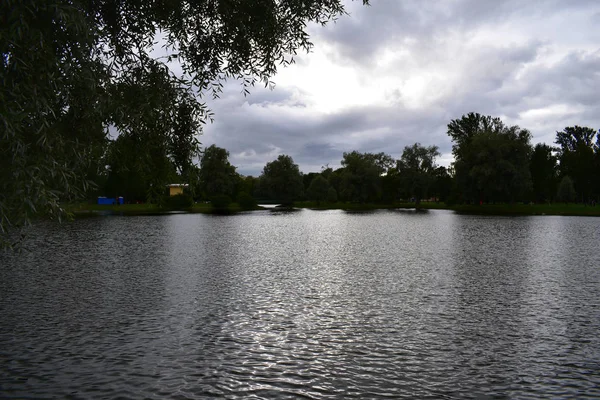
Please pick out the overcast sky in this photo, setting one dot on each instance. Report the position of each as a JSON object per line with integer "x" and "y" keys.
{"x": 397, "y": 72}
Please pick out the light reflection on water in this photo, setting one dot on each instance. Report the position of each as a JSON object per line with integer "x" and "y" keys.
{"x": 317, "y": 304}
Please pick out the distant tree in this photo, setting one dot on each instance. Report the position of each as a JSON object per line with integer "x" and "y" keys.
{"x": 246, "y": 201}
{"x": 331, "y": 195}
{"x": 543, "y": 167}
{"x": 384, "y": 162}
{"x": 491, "y": 159}
{"x": 465, "y": 129}
{"x": 577, "y": 158}
{"x": 573, "y": 138}
{"x": 260, "y": 191}
{"x": 417, "y": 168}
{"x": 500, "y": 166}
{"x": 138, "y": 170}
{"x": 566, "y": 191}
{"x": 442, "y": 185}
{"x": 318, "y": 189}
{"x": 282, "y": 180}
{"x": 220, "y": 203}
{"x": 307, "y": 179}
{"x": 178, "y": 202}
{"x": 335, "y": 180}
{"x": 217, "y": 176}
{"x": 597, "y": 169}
{"x": 391, "y": 188}
{"x": 247, "y": 184}
{"x": 361, "y": 176}
{"x": 326, "y": 171}
{"x": 125, "y": 176}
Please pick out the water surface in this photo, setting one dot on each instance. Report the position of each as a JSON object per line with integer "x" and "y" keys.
{"x": 307, "y": 304}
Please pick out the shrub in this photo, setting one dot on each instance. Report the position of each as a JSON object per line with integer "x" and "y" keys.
{"x": 332, "y": 195}
{"x": 246, "y": 201}
{"x": 220, "y": 202}
{"x": 178, "y": 202}
{"x": 566, "y": 191}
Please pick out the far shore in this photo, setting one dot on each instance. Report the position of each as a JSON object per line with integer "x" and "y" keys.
{"x": 485, "y": 209}
{"x": 83, "y": 210}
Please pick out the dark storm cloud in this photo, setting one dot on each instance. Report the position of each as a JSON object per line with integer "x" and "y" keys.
{"x": 502, "y": 58}
{"x": 256, "y": 133}
{"x": 385, "y": 23}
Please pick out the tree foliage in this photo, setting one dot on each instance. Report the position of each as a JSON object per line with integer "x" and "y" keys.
{"x": 543, "y": 167}
{"x": 282, "y": 180}
{"x": 417, "y": 169}
{"x": 577, "y": 154}
{"x": 566, "y": 191}
{"x": 332, "y": 195}
{"x": 217, "y": 176}
{"x": 491, "y": 159}
{"x": 246, "y": 201}
{"x": 361, "y": 176}
{"x": 318, "y": 190}
{"x": 442, "y": 187}
{"x": 138, "y": 169}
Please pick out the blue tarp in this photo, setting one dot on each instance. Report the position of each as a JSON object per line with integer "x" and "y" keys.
{"x": 110, "y": 200}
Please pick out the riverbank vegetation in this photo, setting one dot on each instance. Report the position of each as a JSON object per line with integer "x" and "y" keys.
{"x": 88, "y": 209}
{"x": 496, "y": 171}
{"x": 572, "y": 209}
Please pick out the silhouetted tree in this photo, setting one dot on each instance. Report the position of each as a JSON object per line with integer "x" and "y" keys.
{"x": 335, "y": 179}
{"x": 442, "y": 186}
{"x": 597, "y": 169}
{"x": 138, "y": 169}
{"x": 566, "y": 192}
{"x": 391, "y": 188}
{"x": 282, "y": 180}
{"x": 307, "y": 179}
{"x": 491, "y": 159}
{"x": 361, "y": 176}
{"x": 332, "y": 195}
{"x": 326, "y": 172}
{"x": 318, "y": 189}
{"x": 416, "y": 168}
{"x": 577, "y": 158}
{"x": 246, "y": 201}
{"x": 543, "y": 167}
{"x": 247, "y": 184}
{"x": 217, "y": 176}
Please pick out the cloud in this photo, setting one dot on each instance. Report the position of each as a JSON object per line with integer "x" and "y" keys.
{"x": 397, "y": 72}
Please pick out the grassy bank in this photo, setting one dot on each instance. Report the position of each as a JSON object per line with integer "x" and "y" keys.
{"x": 84, "y": 209}
{"x": 364, "y": 206}
{"x": 486, "y": 209}
{"x": 529, "y": 209}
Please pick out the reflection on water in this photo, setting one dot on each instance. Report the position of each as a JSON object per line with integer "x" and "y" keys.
{"x": 316, "y": 304}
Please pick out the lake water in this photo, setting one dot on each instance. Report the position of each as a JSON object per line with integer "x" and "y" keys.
{"x": 306, "y": 304}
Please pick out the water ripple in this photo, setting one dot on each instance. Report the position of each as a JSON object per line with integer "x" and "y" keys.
{"x": 314, "y": 305}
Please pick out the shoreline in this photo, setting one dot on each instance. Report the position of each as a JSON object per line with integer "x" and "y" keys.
{"x": 556, "y": 209}
{"x": 93, "y": 210}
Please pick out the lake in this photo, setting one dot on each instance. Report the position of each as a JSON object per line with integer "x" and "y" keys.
{"x": 304, "y": 304}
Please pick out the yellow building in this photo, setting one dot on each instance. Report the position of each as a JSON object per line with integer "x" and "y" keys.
{"x": 176, "y": 188}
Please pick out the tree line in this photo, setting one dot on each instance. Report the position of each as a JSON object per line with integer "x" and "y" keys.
{"x": 493, "y": 163}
